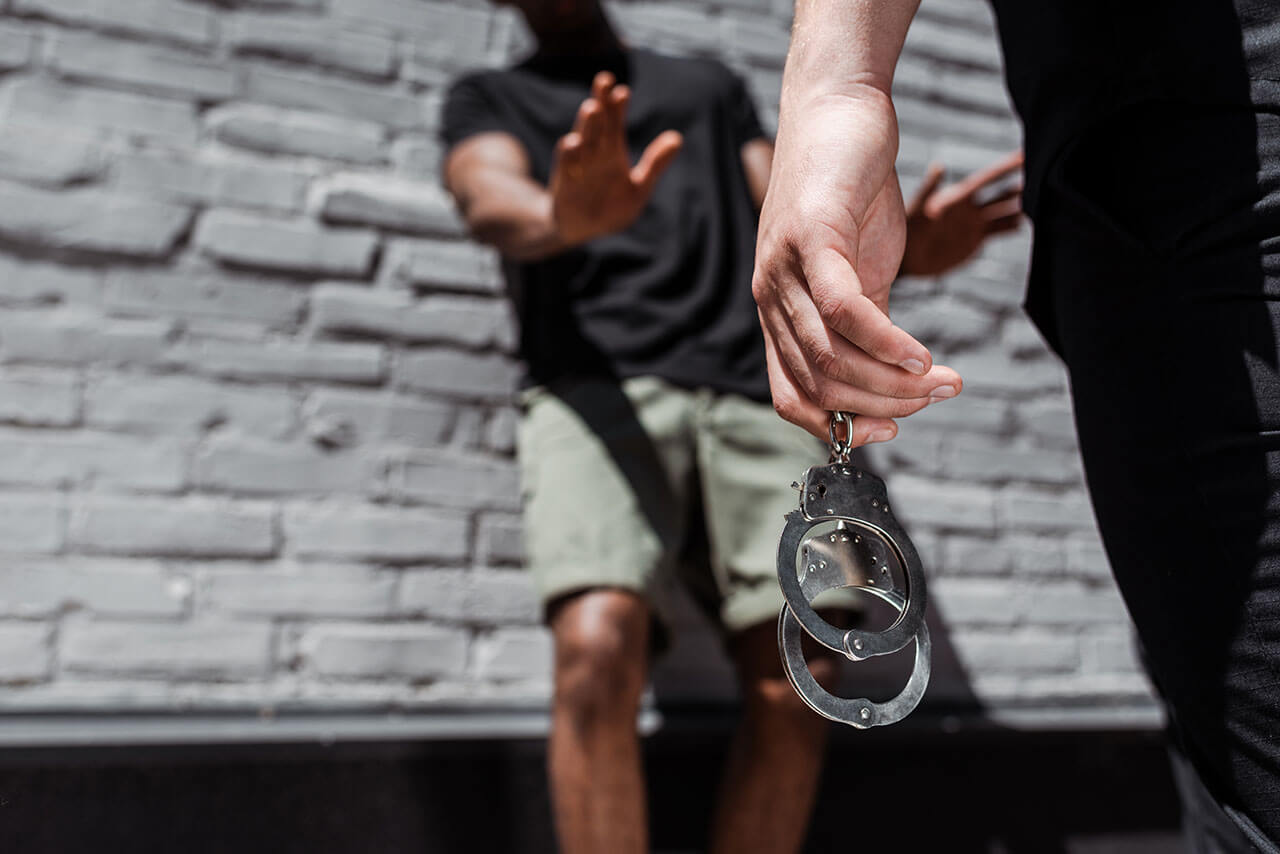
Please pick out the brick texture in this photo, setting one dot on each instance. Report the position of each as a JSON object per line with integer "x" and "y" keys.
{"x": 256, "y": 426}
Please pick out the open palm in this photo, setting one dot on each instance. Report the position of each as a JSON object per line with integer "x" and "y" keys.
{"x": 594, "y": 188}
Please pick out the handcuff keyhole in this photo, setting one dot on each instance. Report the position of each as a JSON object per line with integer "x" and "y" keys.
{"x": 822, "y": 489}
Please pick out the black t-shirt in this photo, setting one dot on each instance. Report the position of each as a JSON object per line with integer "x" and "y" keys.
{"x": 670, "y": 296}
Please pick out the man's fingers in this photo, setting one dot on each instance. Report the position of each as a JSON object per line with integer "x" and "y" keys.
{"x": 932, "y": 178}
{"x": 655, "y": 159}
{"x": 616, "y": 113}
{"x": 838, "y": 295}
{"x": 588, "y": 115}
{"x": 1003, "y": 214}
{"x": 570, "y": 145}
{"x": 1005, "y": 207}
{"x": 580, "y": 117}
{"x": 602, "y": 88}
{"x": 1003, "y": 224}
{"x": 591, "y": 116}
{"x": 1006, "y": 165}
{"x": 567, "y": 160}
{"x": 1011, "y": 194}
{"x": 601, "y": 84}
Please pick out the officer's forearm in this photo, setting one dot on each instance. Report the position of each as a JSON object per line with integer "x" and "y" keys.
{"x": 842, "y": 47}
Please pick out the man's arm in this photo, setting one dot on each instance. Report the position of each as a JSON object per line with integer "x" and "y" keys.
{"x": 593, "y": 189}
{"x": 833, "y": 228}
{"x": 757, "y": 163}
{"x": 488, "y": 175}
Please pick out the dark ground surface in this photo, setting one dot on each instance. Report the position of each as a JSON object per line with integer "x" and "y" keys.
{"x": 986, "y": 791}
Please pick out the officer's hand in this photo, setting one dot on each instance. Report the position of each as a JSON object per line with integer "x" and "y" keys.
{"x": 594, "y": 188}
{"x": 831, "y": 239}
{"x": 947, "y": 227}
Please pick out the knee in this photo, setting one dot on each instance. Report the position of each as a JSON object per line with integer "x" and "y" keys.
{"x": 773, "y": 697}
{"x": 601, "y": 667}
{"x": 767, "y": 693}
{"x": 770, "y": 701}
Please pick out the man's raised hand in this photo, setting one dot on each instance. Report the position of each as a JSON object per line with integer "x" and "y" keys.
{"x": 595, "y": 189}
{"x": 945, "y": 227}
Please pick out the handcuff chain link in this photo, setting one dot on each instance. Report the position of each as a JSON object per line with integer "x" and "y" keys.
{"x": 841, "y": 448}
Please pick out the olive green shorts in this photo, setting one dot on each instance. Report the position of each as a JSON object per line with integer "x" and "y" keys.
{"x": 625, "y": 482}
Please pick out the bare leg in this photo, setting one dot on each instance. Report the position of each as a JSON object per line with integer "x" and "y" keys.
{"x": 776, "y": 757}
{"x": 601, "y": 665}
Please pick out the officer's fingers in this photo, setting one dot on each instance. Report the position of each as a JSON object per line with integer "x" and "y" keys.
{"x": 837, "y": 294}
{"x": 831, "y": 357}
{"x": 789, "y": 401}
{"x": 867, "y": 430}
{"x": 813, "y": 355}
{"x": 854, "y": 367}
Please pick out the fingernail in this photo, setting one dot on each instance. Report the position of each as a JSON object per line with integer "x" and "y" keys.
{"x": 942, "y": 392}
{"x": 915, "y": 366}
{"x": 884, "y": 434}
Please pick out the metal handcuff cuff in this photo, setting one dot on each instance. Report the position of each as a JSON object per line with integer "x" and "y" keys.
{"x": 844, "y": 536}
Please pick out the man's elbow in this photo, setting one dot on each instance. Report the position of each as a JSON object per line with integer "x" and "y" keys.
{"x": 503, "y": 235}
{"x": 484, "y": 227}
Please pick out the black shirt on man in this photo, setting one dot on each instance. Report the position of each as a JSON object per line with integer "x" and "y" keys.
{"x": 670, "y": 296}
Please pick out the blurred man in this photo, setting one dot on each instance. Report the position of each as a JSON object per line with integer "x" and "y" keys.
{"x": 647, "y": 442}
{"x": 1153, "y": 176}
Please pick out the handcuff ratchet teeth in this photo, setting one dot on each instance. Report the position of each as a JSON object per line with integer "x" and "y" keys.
{"x": 845, "y": 536}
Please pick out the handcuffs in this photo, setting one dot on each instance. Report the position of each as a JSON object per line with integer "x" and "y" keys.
{"x": 844, "y": 536}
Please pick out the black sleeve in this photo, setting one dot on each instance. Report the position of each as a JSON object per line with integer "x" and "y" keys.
{"x": 742, "y": 112}
{"x": 468, "y": 110}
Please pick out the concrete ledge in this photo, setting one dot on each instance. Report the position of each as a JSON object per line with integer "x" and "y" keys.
{"x": 470, "y": 724}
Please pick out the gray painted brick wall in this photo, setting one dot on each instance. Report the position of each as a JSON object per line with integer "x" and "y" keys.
{"x": 256, "y": 434}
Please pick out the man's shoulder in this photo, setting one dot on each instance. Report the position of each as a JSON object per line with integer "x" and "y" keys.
{"x": 483, "y": 80}
{"x": 477, "y": 101}
{"x": 692, "y": 69}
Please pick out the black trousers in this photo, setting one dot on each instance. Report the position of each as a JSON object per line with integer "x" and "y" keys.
{"x": 1157, "y": 279}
